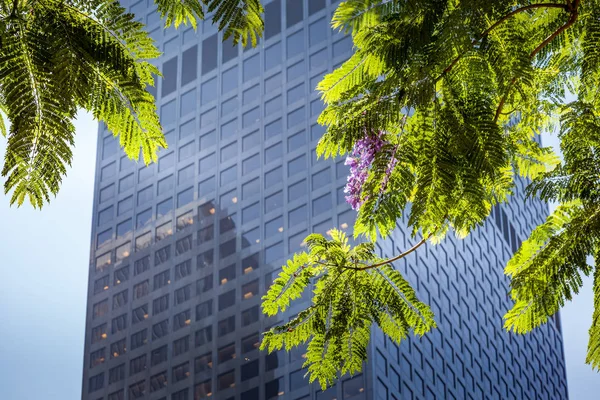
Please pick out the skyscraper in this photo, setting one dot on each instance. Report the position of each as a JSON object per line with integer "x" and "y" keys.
{"x": 182, "y": 250}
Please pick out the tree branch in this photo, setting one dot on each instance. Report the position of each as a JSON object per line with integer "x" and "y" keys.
{"x": 391, "y": 260}
{"x": 496, "y": 24}
{"x": 573, "y": 8}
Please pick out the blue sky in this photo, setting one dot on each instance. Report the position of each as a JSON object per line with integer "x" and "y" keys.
{"x": 44, "y": 270}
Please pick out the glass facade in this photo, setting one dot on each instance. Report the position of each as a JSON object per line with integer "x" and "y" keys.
{"x": 183, "y": 249}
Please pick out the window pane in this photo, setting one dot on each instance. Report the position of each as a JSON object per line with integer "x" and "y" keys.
{"x": 189, "y": 66}
{"x": 294, "y": 12}
{"x": 169, "y": 81}
{"x": 272, "y": 19}
{"x": 209, "y": 54}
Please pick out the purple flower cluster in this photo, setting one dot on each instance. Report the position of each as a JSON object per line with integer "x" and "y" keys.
{"x": 359, "y": 161}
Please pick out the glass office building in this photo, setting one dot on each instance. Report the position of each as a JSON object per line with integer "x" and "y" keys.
{"x": 183, "y": 249}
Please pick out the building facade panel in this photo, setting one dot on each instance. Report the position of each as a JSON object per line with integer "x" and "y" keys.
{"x": 183, "y": 249}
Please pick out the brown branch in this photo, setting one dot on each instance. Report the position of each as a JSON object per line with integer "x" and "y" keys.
{"x": 391, "y": 260}
{"x": 573, "y": 8}
{"x": 496, "y": 24}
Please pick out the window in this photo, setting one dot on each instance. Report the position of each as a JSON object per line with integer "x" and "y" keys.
{"x": 251, "y": 394}
{"x": 185, "y": 220}
{"x": 227, "y": 249}
{"x": 295, "y": 43}
{"x": 329, "y": 394}
{"x": 187, "y": 129}
{"x": 161, "y": 279}
{"x": 203, "y": 390}
{"x": 119, "y": 323}
{"x": 273, "y": 106}
{"x": 297, "y": 216}
{"x": 297, "y": 380}
{"x": 116, "y": 374}
{"x": 294, "y": 12}
{"x": 250, "y": 343}
{"x": 317, "y": 32}
{"x": 181, "y": 320}
{"x": 209, "y": 54}
{"x": 186, "y": 151}
{"x": 118, "y": 348}
{"x": 227, "y": 224}
{"x": 118, "y": 395}
{"x": 99, "y": 333}
{"x": 251, "y": 117}
{"x": 226, "y": 326}
{"x": 107, "y": 193}
{"x": 158, "y": 381}
{"x": 251, "y": 69}
{"x": 101, "y": 284}
{"x": 250, "y": 289}
{"x": 295, "y": 71}
{"x": 145, "y": 173}
{"x": 97, "y": 357}
{"x": 166, "y": 161}
{"x": 273, "y": 153}
{"x": 141, "y": 289}
{"x": 163, "y": 209}
{"x": 181, "y": 345}
{"x": 137, "y": 390}
{"x": 144, "y": 195}
{"x": 189, "y": 61}
{"x": 169, "y": 81}
{"x": 250, "y": 316}
{"x": 137, "y": 365}
{"x": 108, "y": 172}
{"x": 183, "y": 294}
{"x": 228, "y": 107}
{"x": 180, "y": 372}
{"x": 183, "y": 269}
{"x": 203, "y": 336}
{"x": 274, "y": 227}
{"x": 204, "y": 310}
{"x": 251, "y": 188}
{"x": 229, "y": 80}
{"x": 100, "y": 309}
{"x": 272, "y": 19}
{"x": 183, "y": 245}
{"x": 297, "y": 165}
{"x": 160, "y": 329}
{"x": 250, "y": 263}
{"x": 139, "y": 314}
{"x": 315, "y": 5}
{"x": 125, "y": 205}
{"x": 120, "y": 299}
{"x": 162, "y": 255}
{"x": 205, "y": 284}
{"x": 273, "y": 177}
{"x": 353, "y": 388}
{"x": 143, "y": 218}
{"x": 204, "y": 260}
{"x": 141, "y": 265}
{"x": 96, "y": 382}
{"x": 298, "y": 353}
{"x": 342, "y": 47}
{"x": 250, "y": 213}
{"x": 226, "y": 353}
{"x": 227, "y": 274}
{"x": 185, "y": 197}
{"x": 274, "y": 389}
{"x": 274, "y": 252}
{"x": 158, "y": 355}
{"x": 226, "y": 300}
{"x": 208, "y": 91}
{"x": 321, "y": 205}
{"x": 105, "y": 216}
{"x": 228, "y": 175}
{"x": 226, "y": 380}
{"x": 203, "y": 363}
{"x": 275, "y": 360}
{"x": 250, "y": 237}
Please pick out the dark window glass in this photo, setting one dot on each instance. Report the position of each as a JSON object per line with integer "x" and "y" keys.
{"x": 297, "y": 380}
{"x": 141, "y": 289}
{"x": 251, "y": 188}
{"x": 120, "y": 299}
{"x": 227, "y": 224}
{"x": 189, "y": 65}
{"x": 181, "y": 345}
{"x": 207, "y": 163}
{"x": 180, "y": 372}
{"x": 295, "y": 43}
{"x": 160, "y": 329}
{"x": 209, "y": 54}
{"x": 203, "y": 363}
{"x": 273, "y": 177}
{"x": 206, "y": 234}
{"x": 164, "y": 208}
{"x": 160, "y": 304}
{"x": 250, "y": 289}
{"x": 138, "y": 364}
{"x": 183, "y": 294}
{"x": 273, "y": 56}
{"x": 96, "y": 382}
{"x": 273, "y": 153}
{"x": 139, "y": 314}
{"x": 97, "y": 357}
{"x": 226, "y": 353}
{"x": 251, "y": 394}
{"x": 159, "y": 355}
{"x": 99, "y": 333}
{"x": 272, "y": 19}
{"x": 205, "y": 259}
{"x": 275, "y": 360}
{"x": 342, "y": 47}
{"x": 126, "y": 183}
{"x": 353, "y": 388}
{"x": 250, "y": 343}
{"x": 229, "y": 50}
{"x": 125, "y": 205}
{"x": 185, "y": 197}
{"x": 118, "y": 395}
{"x": 274, "y": 227}
{"x": 226, "y": 326}
{"x": 137, "y": 390}
{"x": 273, "y": 202}
{"x": 101, "y": 284}
{"x": 226, "y": 300}
{"x": 294, "y": 12}
{"x": 103, "y": 237}
{"x": 274, "y": 252}
{"x": 203, "y": 336}
{"x": 168, "y": 113}
{"x": 252, "y": 70}
{"x": 322, "y": 204}
{"x": 161, "y": 279}
{"x": 105, "y": 216}
{"x": 183, "y": 245}
{"x": 116, "y": 374}
{"x": 250, "y": 213}
{"x": 181, "y": 395}
{"x": 297, "y": 165}
{"x": 169, "y": 81}
{"x": 250, "y": 315}
{"x": 203, "y": 390}
{"x": 226, "y": 380}
{"x": 204, "y": 310}
{"x": 250, "y": 237}
{"x": 158, "y": 381}
{"x": 227, "y": 249}
{"x": 107, "y": 193}
{"x": 227, "y": 274}
{"x": 119, "y": 323}
{"x": 274, "y": 389}
{"x": 297, "y": 216}
{"x": 181, "y": 320}
{"x": 143, "y": 218}
{"x": 162, "y": 255}
{"x": 315, "y": 5}
{"x": 118, "y": 348}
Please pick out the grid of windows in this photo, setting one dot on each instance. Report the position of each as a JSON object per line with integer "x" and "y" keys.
{"x": 205, "y": 230}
